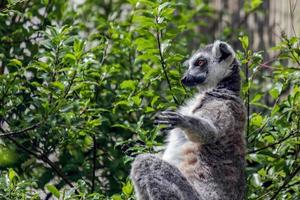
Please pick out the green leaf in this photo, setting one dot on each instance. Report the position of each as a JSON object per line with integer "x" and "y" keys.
{"x": 15, "y": 62}
{"x": 245, "y": 42}
{"x": 137, "y": 100}
{"x": 116, "y": 197}
{"x": 251, "y": 5}
{"x": 128, "y": 84}
{"x": 71, "y": 57}
{"x": 94, "y": 122}
{"x": 58, "y": 85}
{"x": 143, "y": 21}
{"x": 11, "y": 174}
{"x": 154, "y": 100}
{"x": 276, "y": 90}
{"x": 127, "y": 189}
{"x": 53, "y": 190}
{"x": 255, "y": 4}
{"x": 256, "y": 98}
{"x": 144, "y": 44}
{"x": 256, "y": 119}
{"x": 162, "y": 6}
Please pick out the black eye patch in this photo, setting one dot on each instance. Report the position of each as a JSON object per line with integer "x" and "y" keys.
{"x": 200, "y": 62}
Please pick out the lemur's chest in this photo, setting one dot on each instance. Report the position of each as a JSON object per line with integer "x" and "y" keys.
{"x": 177, "y": 141}
{"x": 191, "y": 105}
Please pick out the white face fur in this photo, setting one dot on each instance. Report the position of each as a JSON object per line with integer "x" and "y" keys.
{"x": 208, "y": 66}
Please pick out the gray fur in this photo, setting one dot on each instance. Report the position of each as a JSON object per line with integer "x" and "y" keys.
{"x": 204, "y": 157}
{"x": 154, "y": 178}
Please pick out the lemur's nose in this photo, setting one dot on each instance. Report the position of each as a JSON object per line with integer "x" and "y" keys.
{"x": 224, "y": 48}
{"x": 184, "y": 80}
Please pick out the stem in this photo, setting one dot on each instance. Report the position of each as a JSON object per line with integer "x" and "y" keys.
{"x": 248, "y": 98}
{"x": 70, "y": 85}
{"x": 286, "y": 181}
{"x": 291, "y": 49}
{"x": 97, "y": 90}
{"x": 94, "y": 163}
{"x": 46, "y": 160}
{"x": 273, "y": 144}
{"x": 163, "y": 63}
{"x": 20, "y": 131}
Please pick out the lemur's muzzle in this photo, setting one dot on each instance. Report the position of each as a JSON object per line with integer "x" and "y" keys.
{"x": 190, "y": 80}
{"x": 225, "y": 53}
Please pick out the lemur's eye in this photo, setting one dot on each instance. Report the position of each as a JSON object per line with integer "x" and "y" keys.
{"x": 200, "y": 62}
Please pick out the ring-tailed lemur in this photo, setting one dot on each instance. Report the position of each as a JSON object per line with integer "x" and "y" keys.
{"x": 204, "y": 157}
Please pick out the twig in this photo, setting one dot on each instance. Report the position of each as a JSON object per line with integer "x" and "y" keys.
{"x": 94, "y": 163}
{"x": 292, "y": 10}
{"x": 94, "y": 136}
{"x": 104, "y": 56}
{"x": 260, "y": 130}
{"x": 291, "y": 49}
{"x": 6, "y": 90}
{"x": 266, "y": 63}
{"x": 38, "y": 156}
{"x": 70, "y": 85}
{"x": 30, "y": 39}
{"x": 273, "y": 144}
{"x": 163, "y": 63}
{"x": 286, "y": 181}
{"x": 248, "y": 98}
{"x": 45, "y": 159}
{"x": 9, "y": 5}
{"x": 20, "y": 131}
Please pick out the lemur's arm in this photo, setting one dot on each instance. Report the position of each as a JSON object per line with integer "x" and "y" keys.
{"x": 197, "y": 129}
{"x": 204, "y": 127}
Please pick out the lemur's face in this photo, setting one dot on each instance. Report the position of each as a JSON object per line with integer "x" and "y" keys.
{"x": 209, "y": 65}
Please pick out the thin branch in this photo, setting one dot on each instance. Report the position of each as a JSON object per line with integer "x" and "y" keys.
{"x": 42, "y": 157}
{"x": 94, "y": 136}
{"x": 286, "y": 181}
{"x": 94, "y": 163}
{"x": 70, "y": 85}
{"x": 163, "y": 63}
{"x": 45, "y": 159}
{"x": 273, "y": 144}
{"x": 260, "y": 130}
{"x": 20, "y": 131}
{"x": 293, "y": 184}
{"x": 104, "y": 56}
{"x": 267, "y": 63}
{"x": 248, "y": 98}
{"x": 30, "y": 39}
{"x": 291, "y": 49}
{"x": 6, "y": 90}
{"x": 7, "y": 6}
{"x": 292, "y": 10}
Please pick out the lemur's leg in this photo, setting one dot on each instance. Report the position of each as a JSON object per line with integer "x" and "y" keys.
{"x": 155, "y": 179}
{"x": 197, "y": 129}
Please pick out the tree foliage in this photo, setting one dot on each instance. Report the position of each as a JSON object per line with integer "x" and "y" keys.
{"x": 80, "y": 84}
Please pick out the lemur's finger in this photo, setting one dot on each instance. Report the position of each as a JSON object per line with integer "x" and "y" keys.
{"x": 166, "y": 129}
{"x": 166, "y": 122}
{"x": 172, "y": 119}
{"x": 169, "y": 113}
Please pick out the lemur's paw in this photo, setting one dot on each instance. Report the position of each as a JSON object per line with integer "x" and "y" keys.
{"x": 169, "y": 119}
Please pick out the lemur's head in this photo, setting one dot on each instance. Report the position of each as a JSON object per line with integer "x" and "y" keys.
{"x": 210, "y": 65}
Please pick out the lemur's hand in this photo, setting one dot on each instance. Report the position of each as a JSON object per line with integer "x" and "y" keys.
{"x": 170, "y": 119}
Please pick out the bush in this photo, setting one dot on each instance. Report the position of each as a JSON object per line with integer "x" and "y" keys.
{"x": 80, "y": 84}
